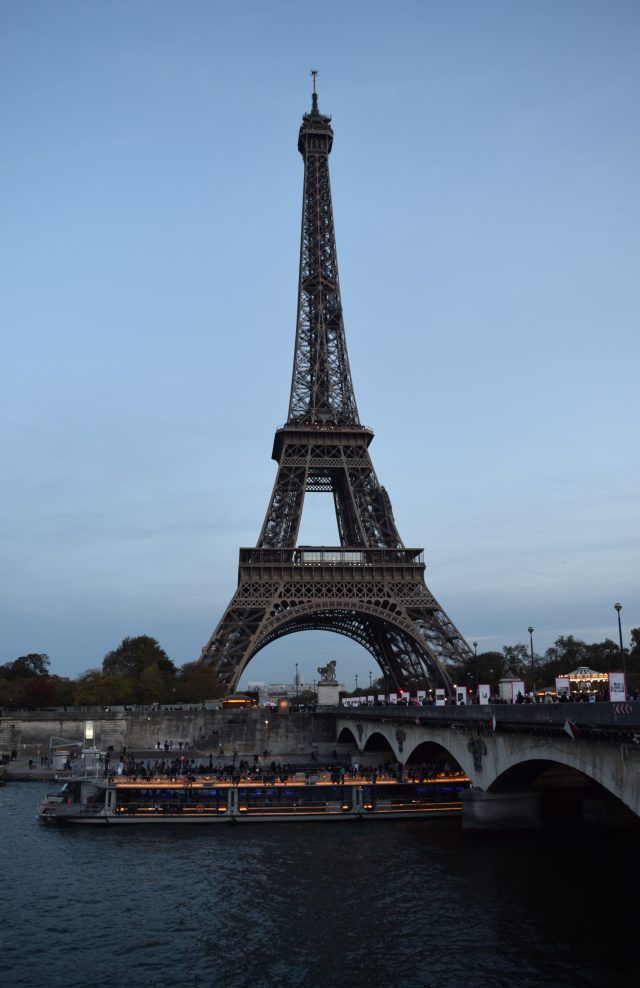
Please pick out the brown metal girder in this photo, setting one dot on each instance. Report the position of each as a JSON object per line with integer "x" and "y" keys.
{"x": 398, "y": 622}
{"x": 321, "y": 434}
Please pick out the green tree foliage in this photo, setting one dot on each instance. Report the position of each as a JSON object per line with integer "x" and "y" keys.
{"x": 486, "y": 667}
{"x": 39, "y": 691}
{"x": 492, "y": 666}
{"x": 565, "y": 655}
{"x": 155, "y": 686}
{"x": 7, "y": 692}
{"x": 634, "y": 651}
{"x": 140, "y": 671}
{"x": 97, "y": 688}
{"x": 604, "y": 656}
{"x": 26, "y": 682}
{"x": 33, "y": 664}
{"x": 141, "y": 668}
{"x": 306, "y": 696}
{"x": 517, "y": 660}
{"x": 65, "y": 690}
{"x": 197, "y": 682}
{"x": 134, "y": 655}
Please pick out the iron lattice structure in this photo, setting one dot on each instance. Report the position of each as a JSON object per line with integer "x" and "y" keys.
{"x": 370, "y": 587}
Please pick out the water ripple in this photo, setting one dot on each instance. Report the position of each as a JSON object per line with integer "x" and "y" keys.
{"x": 378, "y": 905}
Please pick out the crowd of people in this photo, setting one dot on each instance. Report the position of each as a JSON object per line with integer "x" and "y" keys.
{"x": 258, "y": 770}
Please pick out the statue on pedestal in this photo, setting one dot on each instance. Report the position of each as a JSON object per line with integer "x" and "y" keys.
{"x": 328, "y": 673}
{"x": 328, "y": 689}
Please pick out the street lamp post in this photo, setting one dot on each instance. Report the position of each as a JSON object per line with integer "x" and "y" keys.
{"x": 356, "y": 682}
{"x": 296, "y": 682}
{"x": 533, "y": 672}
{"x": 618, "y": 608}
{"x": 369, "y": 679}
{"x": 475, "y": 654}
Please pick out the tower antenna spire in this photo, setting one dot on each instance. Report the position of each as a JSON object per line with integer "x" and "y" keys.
{"x": 314, "y": 95}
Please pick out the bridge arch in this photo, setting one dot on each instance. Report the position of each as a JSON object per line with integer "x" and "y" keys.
{"x": 568, "y": 788}
{"x": 347, "y": 736}
{"x": 435, "y": 758}
{"x": 542, "y": 755}
{"x": 377, "y": 743}
{"x": 529, "y": 753}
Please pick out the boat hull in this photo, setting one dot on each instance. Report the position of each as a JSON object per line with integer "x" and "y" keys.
{"x": 210, "y": 802}
{"x": 122, "y": 820}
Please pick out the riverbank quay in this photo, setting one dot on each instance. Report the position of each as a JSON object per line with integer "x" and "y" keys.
{"x": 196, "y": 736}
{"x": 172, "y": 732}
{"x": 23, "y": 769}
{"x": 265, "y": 731}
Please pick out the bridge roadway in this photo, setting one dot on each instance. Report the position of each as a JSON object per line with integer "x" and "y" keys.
{"x": 524, "y": 765}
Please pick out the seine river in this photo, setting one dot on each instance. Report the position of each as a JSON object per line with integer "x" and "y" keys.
{"x": 378, "y": 904}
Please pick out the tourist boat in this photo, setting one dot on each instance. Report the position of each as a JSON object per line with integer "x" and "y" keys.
{"x": 207, "y": 800}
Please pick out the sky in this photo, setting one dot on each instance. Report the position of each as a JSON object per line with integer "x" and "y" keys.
{"x": 487, "y": 209}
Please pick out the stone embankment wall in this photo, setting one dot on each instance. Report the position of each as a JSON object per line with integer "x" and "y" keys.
{"x": 248, "y": 732}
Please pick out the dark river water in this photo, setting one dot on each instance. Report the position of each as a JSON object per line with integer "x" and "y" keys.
{"x": 377, "y": 904}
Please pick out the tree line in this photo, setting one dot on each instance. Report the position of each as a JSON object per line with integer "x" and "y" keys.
{"x": 566, "y": 654}
{"x": 139, "y": 671}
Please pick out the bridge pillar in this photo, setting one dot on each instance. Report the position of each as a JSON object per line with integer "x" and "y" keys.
{"x": 492, "y": 811}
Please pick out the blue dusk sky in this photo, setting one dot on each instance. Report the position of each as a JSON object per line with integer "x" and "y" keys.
{"x": 487, "y": 207}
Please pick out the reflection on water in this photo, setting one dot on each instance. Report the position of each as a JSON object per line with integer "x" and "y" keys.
{"x": 374, "y": 903}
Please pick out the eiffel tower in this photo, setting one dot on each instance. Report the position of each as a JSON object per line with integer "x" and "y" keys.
{"x": 370, "y": 587}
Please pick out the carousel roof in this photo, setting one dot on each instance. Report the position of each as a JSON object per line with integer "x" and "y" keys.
{"x": 585, "y": 673}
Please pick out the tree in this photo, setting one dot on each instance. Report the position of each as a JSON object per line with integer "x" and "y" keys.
{"x": 488, "y": 668}
{"x": 154, "y": 686}
{"x": 134, "y": 655}
{"x": 26, "y": 682}
{"x": 98, "y": 689}
{"x": 517, "y": 660}
{"x": 307, "y": 696}
{"x": 64, "y": 691}
{"x": 197, "y": 682}
{"x": 10, "y": 692}
{"x": 566, "y": 654}
{"x": 33, "y": 664}
{"x": 603, "y": 656}
{"x": 39, "y": 691}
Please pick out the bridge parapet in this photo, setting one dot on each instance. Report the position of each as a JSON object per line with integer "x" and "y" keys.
{"x": 615, "y": 722}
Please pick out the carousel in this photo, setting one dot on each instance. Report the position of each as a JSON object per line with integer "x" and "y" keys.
{"x": 584, "y": 681}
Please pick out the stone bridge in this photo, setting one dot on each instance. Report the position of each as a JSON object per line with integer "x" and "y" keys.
{"x": 528, "y": 765}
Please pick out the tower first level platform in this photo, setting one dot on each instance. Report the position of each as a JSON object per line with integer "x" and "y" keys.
{"x": 377, "y": 597}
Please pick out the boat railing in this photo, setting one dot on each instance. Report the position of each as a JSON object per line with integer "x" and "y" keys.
{"x": 362, "y": 777}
